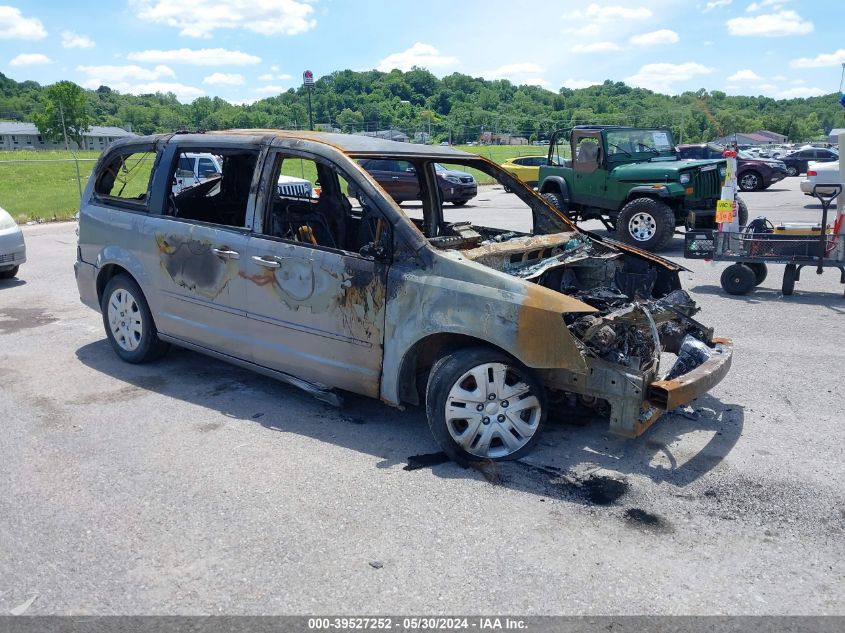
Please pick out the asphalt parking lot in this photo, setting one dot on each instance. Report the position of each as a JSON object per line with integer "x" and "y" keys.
{"x": 189, "y": 486}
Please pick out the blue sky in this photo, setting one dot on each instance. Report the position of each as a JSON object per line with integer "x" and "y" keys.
{"x": 243, "y": 50}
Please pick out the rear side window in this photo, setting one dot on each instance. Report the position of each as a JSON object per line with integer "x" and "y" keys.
{"x": 126, "y": 178}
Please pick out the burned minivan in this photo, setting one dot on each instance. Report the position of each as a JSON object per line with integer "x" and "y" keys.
{"x": 491, "y": 315}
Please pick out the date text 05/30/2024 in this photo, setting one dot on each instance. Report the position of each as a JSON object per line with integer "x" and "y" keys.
{"x": 479, "y": 623}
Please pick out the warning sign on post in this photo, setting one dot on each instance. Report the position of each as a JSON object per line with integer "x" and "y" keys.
{"x": 724, "y": 211}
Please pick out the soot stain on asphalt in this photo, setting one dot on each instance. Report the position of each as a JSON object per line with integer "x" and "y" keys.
{"x": 14, "y": 320}
{"x": 550, "y": 481}
{"x": 600, "y": 490}
{"x": 415, "y": 462}
{"x": 640, "y": 519}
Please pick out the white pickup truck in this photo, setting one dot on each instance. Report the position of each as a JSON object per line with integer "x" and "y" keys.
{"x": 198, "y": 167}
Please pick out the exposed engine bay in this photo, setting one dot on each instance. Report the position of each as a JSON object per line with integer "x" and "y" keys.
{"x": 641, "y": 309}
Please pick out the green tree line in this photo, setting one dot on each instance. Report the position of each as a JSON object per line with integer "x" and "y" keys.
{"x": 457, "y": 107}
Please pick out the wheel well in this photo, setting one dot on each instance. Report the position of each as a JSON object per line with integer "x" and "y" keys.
{"x": 418, "y": 361}
{"x": 550, "y": 186}
{"x": 108, "y": 271}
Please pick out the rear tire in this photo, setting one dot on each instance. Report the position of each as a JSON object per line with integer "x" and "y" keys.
{"x": 554, "y": 199}
{"x": 482, "y": 404}
{"x": 9, "y": 273}
{"x": 129, "y": 323}
{"x": 760, "y": 272}
{"x": 460, "y": 203}
{"x": 738, "y": 279}
{"x": 645, "y": 223}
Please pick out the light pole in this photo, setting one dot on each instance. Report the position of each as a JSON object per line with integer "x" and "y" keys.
{"x": 308, "y": 82}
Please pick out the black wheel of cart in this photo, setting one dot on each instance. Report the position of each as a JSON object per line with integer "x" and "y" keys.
{"x": 738, "y": 279}
{"x": 760, "y": 272}
{"x": 790, "y": 274}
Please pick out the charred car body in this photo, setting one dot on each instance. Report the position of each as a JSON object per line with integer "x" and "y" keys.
{"x": 489, "y": 327}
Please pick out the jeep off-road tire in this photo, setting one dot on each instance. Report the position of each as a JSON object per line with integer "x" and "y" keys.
{"x": 646, "y": 223}
{"x": 483, "y": 404}
{"x": 554, "y": 199}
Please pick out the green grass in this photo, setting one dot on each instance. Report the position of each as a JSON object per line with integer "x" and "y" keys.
{"x": 42, "y": 185}
{"x": 31, "y": 189}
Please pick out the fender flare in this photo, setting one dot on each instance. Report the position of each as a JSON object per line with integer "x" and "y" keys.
{"x": 647, "y": 191}
{"x": 551, "y": 182}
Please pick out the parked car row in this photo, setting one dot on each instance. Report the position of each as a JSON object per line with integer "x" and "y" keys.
{"x": 753, "y": 173}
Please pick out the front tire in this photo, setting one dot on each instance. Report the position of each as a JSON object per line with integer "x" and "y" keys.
{"x": 482, "y": 404}
{"x": 645, "y": 223}
{"x": 792, "y": 171}
{"x": 9, "y": 272}
{"x": 459, "y": 203}
{"x": 738, "y": 279}
{"x": 129, "y": 323}
{"x": 750, "y": 181}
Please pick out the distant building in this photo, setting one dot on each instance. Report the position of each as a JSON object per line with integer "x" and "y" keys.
{"x": 23, "y": 135}
{"x": 760, "y": 137}
{"x": 390, "y": 135}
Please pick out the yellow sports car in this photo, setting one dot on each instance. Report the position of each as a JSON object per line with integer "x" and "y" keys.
{"x": 526, "y": 168}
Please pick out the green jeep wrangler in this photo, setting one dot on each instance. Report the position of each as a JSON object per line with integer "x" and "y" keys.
{"x": 632, "y": 180}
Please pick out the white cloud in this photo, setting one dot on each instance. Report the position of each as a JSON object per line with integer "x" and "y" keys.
{"x": 200, "y": 18}
{"x": 600, "y": 13}
{"x": 196, "y": 57}
{"x": 770, "y": 25}
{"x": 595, "y": 47}
{"x": 275, "y": 76}
{"x": 519, "y": 73}
{"x": 270, "y": 90}
{"x": 183, "y": 93}
{"x": 575, "y": 84}
{"x": 661, "y": 36}
{"x": 661, "y": 77}
{"x": 801, "y": 92}
{"x": 30, "y": 59}
{"x": 422, "y": 55}
{"x": 224, "y": 79}
{"x": 745, "y": 75}
{"x": 822, "y": 59}
{"x": 13, "y": 26}
{"x": 101, "y": 75}
{"x": 74, "y": 40}
{"x": 756, "y": 6}
{"x": 779, "y": 78}
{"x": 715, "y": 4}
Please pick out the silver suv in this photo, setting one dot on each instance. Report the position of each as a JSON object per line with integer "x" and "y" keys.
{"x": 491, "y": 315}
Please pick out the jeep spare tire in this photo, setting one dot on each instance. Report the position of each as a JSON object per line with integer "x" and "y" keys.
{"x": 645, "y": 223}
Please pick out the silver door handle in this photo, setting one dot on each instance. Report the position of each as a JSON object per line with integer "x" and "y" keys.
{"x": 226, "y": 254}
{"x": 394, "y": 177}
{"x": 267, "y": 263}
